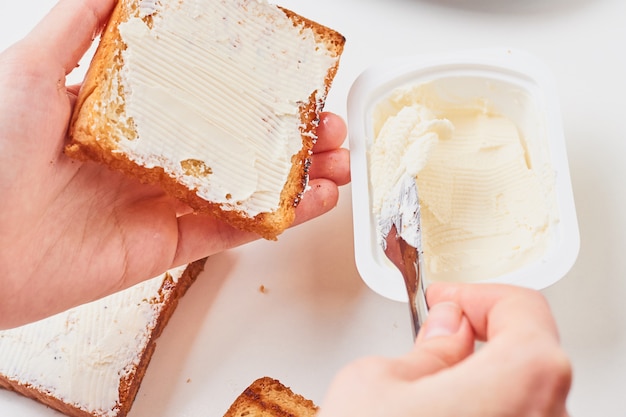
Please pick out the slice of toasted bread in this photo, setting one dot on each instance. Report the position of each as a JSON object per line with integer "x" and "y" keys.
{"x": 90, "y": 360}
{"x": 268, "y": 397}
{"x": 217, "y": 102}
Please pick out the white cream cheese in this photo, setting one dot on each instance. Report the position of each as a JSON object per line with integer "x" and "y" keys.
{"x": 220, "y": 82}
{"x": 79, "y": 356}
{"x": 487, "y": 195}
{"x": 402, "y": 147}
{"x": 397, "y": 156}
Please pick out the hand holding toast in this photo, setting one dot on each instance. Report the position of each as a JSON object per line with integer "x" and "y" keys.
{"x": 85, "y": 230}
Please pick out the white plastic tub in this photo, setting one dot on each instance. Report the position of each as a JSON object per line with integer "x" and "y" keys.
{"x": 495, "y": 74}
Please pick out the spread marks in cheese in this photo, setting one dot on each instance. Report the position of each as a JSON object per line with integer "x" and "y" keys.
{"x": 486, "y": 185}
{"x": 221, "y": 82}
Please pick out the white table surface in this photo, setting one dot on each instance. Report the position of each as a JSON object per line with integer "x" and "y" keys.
{"x": 316, "y": 314}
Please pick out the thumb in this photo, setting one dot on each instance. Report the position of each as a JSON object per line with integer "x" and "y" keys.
{"x": 445, "y": 339}
{"x": 69, "y": 28}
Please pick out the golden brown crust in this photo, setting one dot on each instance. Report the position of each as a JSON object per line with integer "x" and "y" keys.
{"x": 268, "y": 397}
{"x": 98, "y": 80}
{"x": 90, "y": 142}
{"x": 169, "y": 295}
{"x": 310, "y": 113}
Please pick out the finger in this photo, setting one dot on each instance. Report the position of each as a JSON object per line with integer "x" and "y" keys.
{"x": 331, "y": 132}
{"x": 531, "y": 375}
{"x": 493, "y": 309}
{"x": 194, "y": 229}
{"x": 320, "y": 198}
{"x": 69, "y": 28}
{"x": 72, "y": 93}
{"x": 521, "y": 367}
{"x": 202, "y": 235}
{"x": 73, "y": 89}
{"x": 445, "y": 339}
{"x": 333, "y": 165}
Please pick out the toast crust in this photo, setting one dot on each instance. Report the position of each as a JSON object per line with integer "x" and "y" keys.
{"x": 268, "y": 397}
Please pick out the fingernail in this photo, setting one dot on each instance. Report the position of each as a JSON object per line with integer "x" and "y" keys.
{"x": 444, "y": 319}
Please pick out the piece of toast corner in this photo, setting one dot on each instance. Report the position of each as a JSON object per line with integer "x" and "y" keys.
{"x": 268, "y": 397}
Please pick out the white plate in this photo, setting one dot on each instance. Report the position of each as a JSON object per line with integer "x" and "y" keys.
{"x": 504, "y": 66}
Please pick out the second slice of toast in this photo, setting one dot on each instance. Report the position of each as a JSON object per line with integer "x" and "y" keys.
{"x": 90, "y": 361}
{"x": 268, "y": 397}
